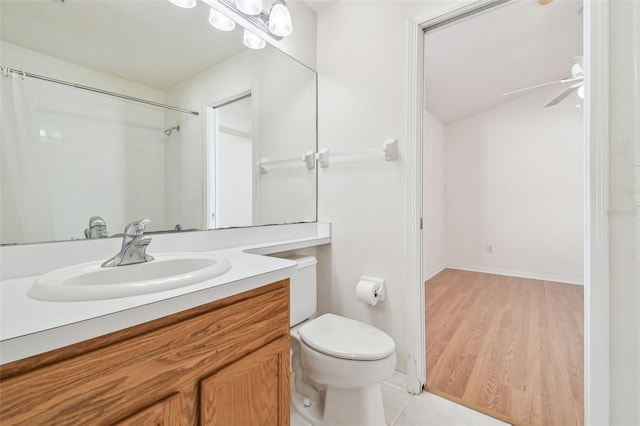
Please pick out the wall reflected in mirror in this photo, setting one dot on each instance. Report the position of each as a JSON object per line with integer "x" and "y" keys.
{"x": 69, "y": 154}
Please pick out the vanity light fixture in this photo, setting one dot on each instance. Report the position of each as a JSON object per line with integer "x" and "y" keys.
{"x": 219, "y": 21}
{"x": 274, "y": 22}
{"x": 186, "y": 4}
{"x": 249, "y": 7}
{"x": 280, "y": 19}
{"x": 252, "y": 41}
{"x": 225, "y": 13}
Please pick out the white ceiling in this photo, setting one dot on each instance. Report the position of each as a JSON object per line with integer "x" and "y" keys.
{"x": 151, "y": 42}
{"x": 318, "y": 5}
{"x": 471, "y": 63}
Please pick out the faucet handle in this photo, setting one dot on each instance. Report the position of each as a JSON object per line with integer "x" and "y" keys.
{"x": 96, "y": 221}
{"x": 136, "y": 228}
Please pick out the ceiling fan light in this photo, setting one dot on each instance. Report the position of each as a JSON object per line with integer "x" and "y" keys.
{"x": 581, "y": 92}
{"x": 576, "y": 70}
{"x": 185, "y": 4}
{"x": 221, "y": 22}
{"x": 252, "y": 41}
{"x": 250, "y": 7}
{"x": 280, "y": 20}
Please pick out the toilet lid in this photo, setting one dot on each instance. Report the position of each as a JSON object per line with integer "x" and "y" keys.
{"x": 346, "y": 338}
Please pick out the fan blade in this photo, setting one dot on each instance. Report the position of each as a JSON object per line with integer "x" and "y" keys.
{"x": 566, "y": 92}
{"x": 570, "y": 79}
{"x": 536, "y": 86}
{"x": 564, "y": 80}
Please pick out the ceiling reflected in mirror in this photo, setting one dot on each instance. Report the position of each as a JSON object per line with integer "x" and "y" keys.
{"x": 153, "y": 43}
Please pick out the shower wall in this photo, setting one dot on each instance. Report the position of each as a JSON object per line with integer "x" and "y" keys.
{"x": 95, "y": 148}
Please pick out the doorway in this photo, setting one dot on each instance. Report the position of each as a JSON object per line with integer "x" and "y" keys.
{"x": 596, "y": 276}
{"x": 230, "y": 164}
{"x": 504, "y": 327}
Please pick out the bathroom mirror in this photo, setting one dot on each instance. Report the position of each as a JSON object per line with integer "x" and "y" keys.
{"x": 69, "y": 154}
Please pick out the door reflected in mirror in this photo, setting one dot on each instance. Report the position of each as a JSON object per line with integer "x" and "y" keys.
{"x": 231, "y": 167}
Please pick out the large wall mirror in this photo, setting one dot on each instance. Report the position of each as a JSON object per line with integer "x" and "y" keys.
{"x": 236, "y": 151}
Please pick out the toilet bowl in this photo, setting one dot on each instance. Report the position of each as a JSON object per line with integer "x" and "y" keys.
{"x": 343, "y": 361}
{"x": 338, "y": 363}
{"x": 345, "y": 353}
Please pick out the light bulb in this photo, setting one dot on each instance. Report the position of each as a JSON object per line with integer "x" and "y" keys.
{"x": 250, "y": 7}
{"x": 581, "y": 92}
{"x": 186, "y": 4}
{"x": 219, "y": 21}
{"x": 280, "y": 20}
{"x": 252, "y": 41}
{"x": 576, "y": 70}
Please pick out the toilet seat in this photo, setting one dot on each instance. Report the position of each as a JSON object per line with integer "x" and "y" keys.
{"x": 345, "y": 338}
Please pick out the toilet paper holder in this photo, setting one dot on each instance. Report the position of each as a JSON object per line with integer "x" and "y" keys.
{"x": 381, "y": 292}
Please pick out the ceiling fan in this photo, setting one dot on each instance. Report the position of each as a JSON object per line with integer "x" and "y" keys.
{"x": 576, "y": 80}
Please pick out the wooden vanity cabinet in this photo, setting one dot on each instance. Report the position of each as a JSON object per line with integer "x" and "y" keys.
{"x": 223, "y": 363}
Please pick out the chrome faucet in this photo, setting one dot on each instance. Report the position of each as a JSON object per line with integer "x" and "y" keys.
{"x": 97, "y": 228}
{"x": 134, "y": 246}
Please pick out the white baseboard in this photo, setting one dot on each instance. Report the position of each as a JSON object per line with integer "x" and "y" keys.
{"x": 530, "y": 275}
{"x": 433, "y": 272}
{"x": 397, "y": 380}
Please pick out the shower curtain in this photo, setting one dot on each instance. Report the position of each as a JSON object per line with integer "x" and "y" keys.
{"x": 25, "y": 201}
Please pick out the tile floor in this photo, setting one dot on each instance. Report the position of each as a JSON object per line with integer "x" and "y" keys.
{"x": 426, "y": 409}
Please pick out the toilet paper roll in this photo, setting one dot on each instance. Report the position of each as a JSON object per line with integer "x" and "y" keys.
{"x": 367, "y": 291}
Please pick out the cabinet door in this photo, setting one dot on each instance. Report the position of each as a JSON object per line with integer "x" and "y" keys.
{"x": 251, "y": 391}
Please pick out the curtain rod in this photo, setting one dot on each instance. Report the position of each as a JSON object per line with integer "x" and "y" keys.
{"x": 93, "y": 89}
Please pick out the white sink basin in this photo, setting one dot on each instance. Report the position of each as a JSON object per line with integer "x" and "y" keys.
{"x": 90, "y": 281}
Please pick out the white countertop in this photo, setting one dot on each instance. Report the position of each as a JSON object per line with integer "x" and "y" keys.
{"x": 29, "y": 326}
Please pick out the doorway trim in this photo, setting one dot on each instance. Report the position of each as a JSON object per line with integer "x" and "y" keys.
{"x": 596, "y": 190}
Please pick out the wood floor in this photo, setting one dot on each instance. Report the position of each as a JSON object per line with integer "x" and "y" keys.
{"x": 507, "y": 346}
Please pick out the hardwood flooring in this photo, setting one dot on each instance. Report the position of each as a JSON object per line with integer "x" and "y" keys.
{"x": 509, "y": 347}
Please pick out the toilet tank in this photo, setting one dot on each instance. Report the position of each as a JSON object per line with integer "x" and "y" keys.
{"x": 302, "y": 292}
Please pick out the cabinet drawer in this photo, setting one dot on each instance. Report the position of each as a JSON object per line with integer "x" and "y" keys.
{"x": 162, "y": 413}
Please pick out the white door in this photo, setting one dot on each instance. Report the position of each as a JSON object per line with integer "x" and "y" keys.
{"x": 230, "y": 164}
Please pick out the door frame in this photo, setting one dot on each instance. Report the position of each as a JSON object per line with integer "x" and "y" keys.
{"x": 210, "y": 131}
{"x": 596, "y": 189}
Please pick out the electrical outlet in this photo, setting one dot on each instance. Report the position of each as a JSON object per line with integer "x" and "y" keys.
{"x": 489, "y": 248}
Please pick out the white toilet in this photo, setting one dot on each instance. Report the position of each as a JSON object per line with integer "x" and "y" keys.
{"x": 338, "y": 363}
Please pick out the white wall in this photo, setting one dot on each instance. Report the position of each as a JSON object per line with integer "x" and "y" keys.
{"x": 514, "y": 180}
{"x": 283, "y": 97}
{"x": 95, "y": 149}
{"x": 434, "y": 238}
{"x": 624, "y": 212}
{"x": 184, "y": 179}
{"x": 362, "y": 66}
{"x": 362, "y": 80}
{"x": 301, "y": 44}
{"x": 286, "y": 99}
